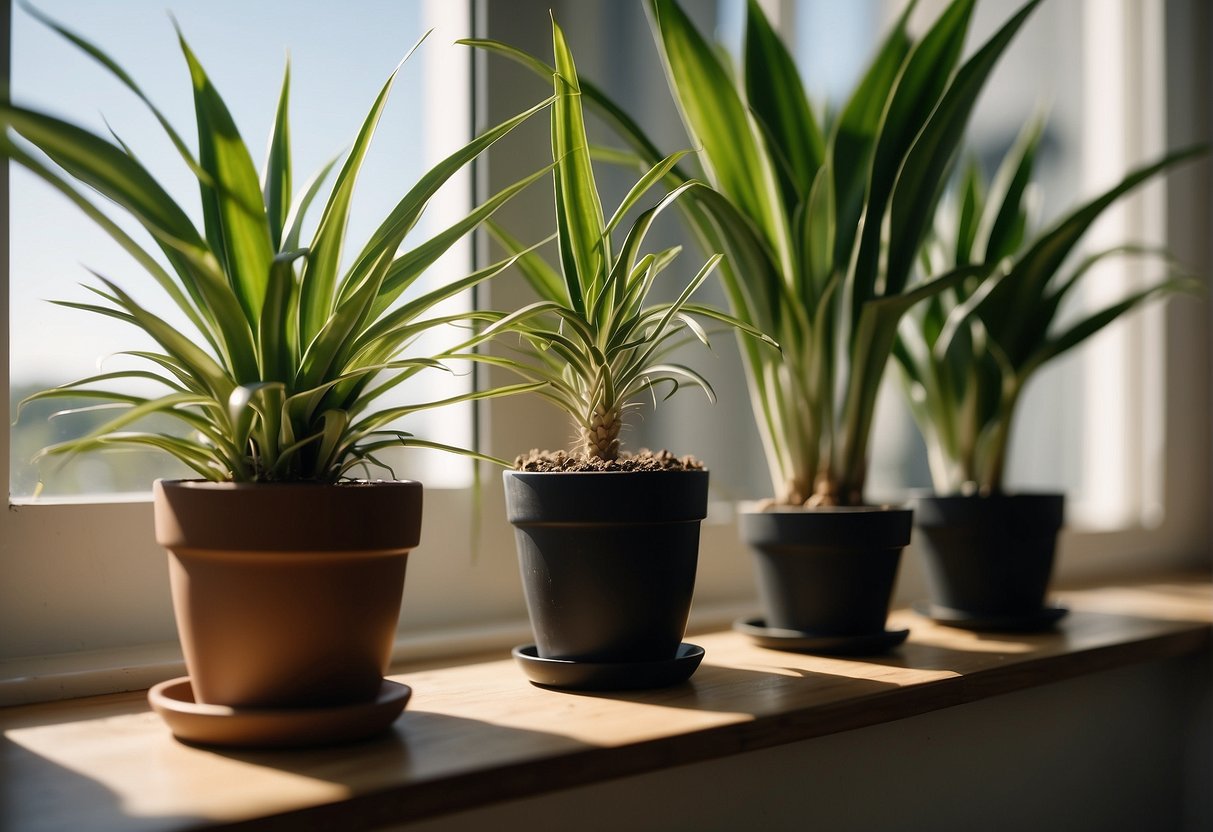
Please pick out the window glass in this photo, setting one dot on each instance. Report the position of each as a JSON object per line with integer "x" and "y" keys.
{"x": 1047, "y": 66}
{"x": 1041, "y": 69}
{"x": 52, "y": 243}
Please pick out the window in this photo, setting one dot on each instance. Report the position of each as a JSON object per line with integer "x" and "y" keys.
{"x": 88, "y": 577}
{"x": 1131, "y": 453}
{"x": 52, "y": 241}
{"x": 85, "y": 575}
{"x": 1094, "y": 424}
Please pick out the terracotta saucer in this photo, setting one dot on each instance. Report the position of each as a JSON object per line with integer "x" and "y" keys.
{"x": 567, "y": 674}
{"x": 1031, "y": 621}
{"x": 274, "y": 728}
{"x": 775, "y": 638}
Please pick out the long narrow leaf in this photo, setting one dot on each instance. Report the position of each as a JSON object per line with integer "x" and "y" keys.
{"x": 921, "y": 182}
{"x": 583, "y": 243}
{"x": 236, "y": 222}
{"x": 276, "y": 179}
{"x": 717, "y": 120}
{"x": 775, "y": 93}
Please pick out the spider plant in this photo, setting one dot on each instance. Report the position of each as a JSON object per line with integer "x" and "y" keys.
{"x": 592, "y": 339}
{"x": 968, "y": 352}
{"x": 822, "y": 223}
{"x": 290, "y": 350}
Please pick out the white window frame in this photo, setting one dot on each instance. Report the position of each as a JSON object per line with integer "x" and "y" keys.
{"x": 84, "y": 605}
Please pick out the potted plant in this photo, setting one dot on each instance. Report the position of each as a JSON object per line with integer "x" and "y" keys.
{"x": 286, "y": 573}
{"x": 607, "y": 541}
{"x": 822, "y": 228}
{"x": 966, "y": 356}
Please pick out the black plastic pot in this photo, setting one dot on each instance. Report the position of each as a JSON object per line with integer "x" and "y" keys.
{"x": 827, "y": 571}
{"x": 989, "y": 556}
{"x": 608, "y": 559}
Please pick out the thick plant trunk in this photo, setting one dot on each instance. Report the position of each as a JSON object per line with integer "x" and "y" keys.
{"x": 601, "y": 439}
{"x": 832, "y": 491}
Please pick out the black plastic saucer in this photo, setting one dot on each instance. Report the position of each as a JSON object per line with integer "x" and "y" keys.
{"x": 1029, "y": 622}
{"x": 567, "y": 674}
{"x": 799, "y": 641}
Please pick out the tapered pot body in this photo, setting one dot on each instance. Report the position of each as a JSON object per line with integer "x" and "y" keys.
{"x": 989, "y": 556}
{"x": 608, "y": 559}
{"x": 827, "y": 571}
{"x": 287, "y": 595}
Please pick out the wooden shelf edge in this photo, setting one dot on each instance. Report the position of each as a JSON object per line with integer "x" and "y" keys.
{"x": 534, "y": 778}
{"x": 478, "y": 734}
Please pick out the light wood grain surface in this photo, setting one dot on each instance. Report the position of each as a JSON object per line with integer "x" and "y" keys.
{"x": 478, "y": 732}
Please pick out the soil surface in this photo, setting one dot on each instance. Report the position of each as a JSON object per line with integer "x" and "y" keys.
{"x": 644, "y": 460}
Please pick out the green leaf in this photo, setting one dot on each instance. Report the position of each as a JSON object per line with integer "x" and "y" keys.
{"x": 391, "y": 233}
{"x": 614, "y": 115}
{"x": 190, "y": 453}
{"x": 236, "y": 345}
{"x": 236, "y": 223}
{"x": 717, "y": 120}
{"x": 913, "y": 102}
{"x": 1005, "y": 206}
{"x": 875, "y": 334}
{"x": 193, "y": 310}
{"x": 276, "y": 179}
{"x": 387, "y": 331}
{"x": 181, "y": 348}
{"x": 584, "y": 246}
{"x": 106, "y": 168}
{"x": 318, "y": 283}
{"x": 655, "y": 174}
{"x": 818, "y": 229}
{"x": 294, "y": 218}
{"x": 277, "y": 353}
{"x": 1015, "y": 298}
{"x": 972, "y": 202}
{"x": 97, "y": 54}
{"x": 1083, "y": 329}
{"x": 777, "y": 97}
{"x": 923, "y": 173}
{"x": 404, "y": 270}
{"x": 853, "y": 139}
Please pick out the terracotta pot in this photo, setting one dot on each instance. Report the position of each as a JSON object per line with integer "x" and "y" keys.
{"x": 287, "y": 595}
{"x": 989, "y": 556}
{"x": 827, "y": 571}
{"x": 608, "y": 559}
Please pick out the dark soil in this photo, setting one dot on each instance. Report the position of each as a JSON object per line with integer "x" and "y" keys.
{"x": 645, "y": 460}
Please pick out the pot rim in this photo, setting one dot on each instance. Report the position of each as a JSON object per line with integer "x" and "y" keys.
{"x": 287, "y": 517}
{"x": 929, "y": 494}
{"x": 751, "y": 507}
{"x": 234, "y": 485}
{"x": 675, "y": 471}
{"x": 590, "y": 497}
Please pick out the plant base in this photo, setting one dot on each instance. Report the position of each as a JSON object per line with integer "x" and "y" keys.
{"x": 608, "y": 560}
{"x": 989, "y": 558}
{"x": 287, "y": 596}
{"x": 827, "y": 571}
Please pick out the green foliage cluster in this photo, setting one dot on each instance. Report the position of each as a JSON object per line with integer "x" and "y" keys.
{"x": 291, "y": 351}
{"x": 967, "y": 353}
{"x": 592, "y": 339}
{"x": 821, "y": 228}
{"x": 821, "y": 223}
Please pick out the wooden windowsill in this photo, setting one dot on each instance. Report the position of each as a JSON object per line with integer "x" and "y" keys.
{"x": 477, "y": 733}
